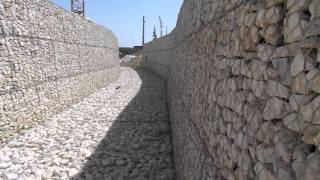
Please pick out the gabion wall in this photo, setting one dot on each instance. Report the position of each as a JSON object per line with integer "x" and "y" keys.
{"x": 243, "y": 89}
{"x": 49, "y": 60}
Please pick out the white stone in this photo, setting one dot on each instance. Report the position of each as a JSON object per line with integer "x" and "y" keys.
{"x": 4, "y": 165}
{"x": 12, "y": 176}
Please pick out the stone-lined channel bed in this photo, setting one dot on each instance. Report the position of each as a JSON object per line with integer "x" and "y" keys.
{"x": 119, "y": 132}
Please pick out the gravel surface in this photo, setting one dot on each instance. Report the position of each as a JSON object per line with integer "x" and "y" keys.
{"x": 120, "y": 132}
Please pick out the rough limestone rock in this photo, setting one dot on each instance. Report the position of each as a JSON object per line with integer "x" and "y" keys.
{"x": 267, "y": 132}
{"x": 264, "y": 172}
{"x": 294, "y": 122}
{"x": 312, "y": 167}
{"x": 299, "y": 84}
{"x": 282, "y": 66}
{"x": 315, "y": 83}
{"x": 293, "y": 28}
{"x": 265, "y": 52}
{"x": 265, "y": 154}
{"x": 297, "y": 100}
{"x": 285, "y": 144}
{"x": 307, "y": 111}
{"x": 277, "y": 89}
{"x": 297, "y": 65}
{"x": 296, "y": 5}
{"x": 271, "y": 34}
{"x": 274, "y": 109}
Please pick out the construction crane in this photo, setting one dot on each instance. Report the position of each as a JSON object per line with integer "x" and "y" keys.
{"x": 77, "y": 6}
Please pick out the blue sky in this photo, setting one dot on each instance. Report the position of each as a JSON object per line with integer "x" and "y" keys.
{"x": 124, "y": 17}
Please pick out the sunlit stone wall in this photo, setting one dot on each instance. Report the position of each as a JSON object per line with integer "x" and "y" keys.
{"x": 49, "y": 60}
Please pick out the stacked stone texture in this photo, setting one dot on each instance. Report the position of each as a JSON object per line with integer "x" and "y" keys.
{"x": 49, "y": 60}
{"x": 243, "y": 89}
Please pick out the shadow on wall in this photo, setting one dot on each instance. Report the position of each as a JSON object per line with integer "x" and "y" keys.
{"x": 138, "y": 144}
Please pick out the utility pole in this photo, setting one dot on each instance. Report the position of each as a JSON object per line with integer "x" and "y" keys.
{"x": 161, "y": 26}
{"x": 77, "y": 6}
{"x": 166, "y": 30}
{"x": 154, "y": 33}
{"x": 143, "y": 30}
